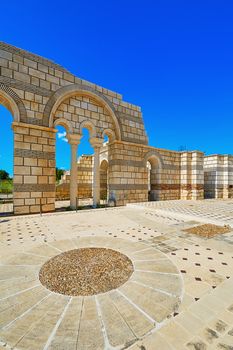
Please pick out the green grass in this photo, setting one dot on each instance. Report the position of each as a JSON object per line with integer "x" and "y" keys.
{"x": 6, "y": 186}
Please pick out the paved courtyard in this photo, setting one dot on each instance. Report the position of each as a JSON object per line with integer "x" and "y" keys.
{"x": 179, "y": 295}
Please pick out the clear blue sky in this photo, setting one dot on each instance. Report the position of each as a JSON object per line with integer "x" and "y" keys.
{"x": 173, "y": 58}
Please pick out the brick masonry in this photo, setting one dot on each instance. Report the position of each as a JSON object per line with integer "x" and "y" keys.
{"x": 218, "y": 174}
{"x": 41, "y": 94}
{"x": 84, "y": 180}
{"x": 34, "y": 168}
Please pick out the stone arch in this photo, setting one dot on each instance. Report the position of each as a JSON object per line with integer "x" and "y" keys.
{"x": 104, "y": 163}
{"x": 65, "y": 123}
{"x": 87, "y": 124}
{"x": 10, "y": 100}
{"x": 153, "y": 156}
{"x": 77, "y": 89}
{"x": 154, "y": 174}
{"x": 110, "y": 133}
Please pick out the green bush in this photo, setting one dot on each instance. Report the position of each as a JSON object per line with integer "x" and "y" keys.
{"x": 6, "y": 186}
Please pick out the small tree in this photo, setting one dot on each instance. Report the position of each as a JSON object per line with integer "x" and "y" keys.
{"x": 4, "y": 175}
{"x": 59, "y": 173}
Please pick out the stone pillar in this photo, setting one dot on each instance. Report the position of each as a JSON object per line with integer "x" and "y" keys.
{"x": 197, "y": 181}
{"x": 226, "y": 176}
{"x": 230, "y": 176}
{"x": 219, "y": 176}
{"x": 96, "y": 144}
{"x": 34, "y": 168}
{"x": 74, "y": 140}
{"x": 185, "y": 176}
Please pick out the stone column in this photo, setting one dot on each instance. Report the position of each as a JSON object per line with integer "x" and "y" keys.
{"x": 197, "y": 182}
{"x": 74, "y": 140}
{"x": 185, "y": 176}
{"x": 219, "y": 176}
{"x": 96, "y": 144}
{"x": 226, "y": 176}
{"x": 230, "y": 176}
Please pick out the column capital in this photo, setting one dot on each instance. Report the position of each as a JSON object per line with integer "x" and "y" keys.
{"x": 74, "y": 139}
{"x": 96, "y": 142}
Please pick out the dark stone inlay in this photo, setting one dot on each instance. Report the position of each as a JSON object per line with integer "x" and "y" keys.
{"x": 34, "y": 188}
{"x": 196, "y": 345}
{"x": 34, "y": 154}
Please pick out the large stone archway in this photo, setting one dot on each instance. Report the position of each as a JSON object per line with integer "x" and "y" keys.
{"x": 41, "y": 95}
{"x": 83, "y": 99}
{"x": 154, "y": 164}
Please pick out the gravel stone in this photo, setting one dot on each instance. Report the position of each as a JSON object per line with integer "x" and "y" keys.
{"x": 86, "y": 271}
{"x": 208, "y": 230}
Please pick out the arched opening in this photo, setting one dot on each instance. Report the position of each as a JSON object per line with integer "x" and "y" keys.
{"x": 104, "y": 181}
{"x": 89, "y": 120}
{"x": 86, "y": 94}
{"x": 62, "y": 166}
{"x": 153, "y": 169}
{"x": 85, "y": 165}
{"x": 108, "y": 137}
{"x": 6, "y": 159}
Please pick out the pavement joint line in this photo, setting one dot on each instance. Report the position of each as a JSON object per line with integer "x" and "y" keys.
{"x": 49, "y": 341}
{"x": 49, "y": 245}
{"x": 141, "y": 250}
{"x": 155, "y": 289}
{"x": 137, "y": 307}
{"x": 26, "y": 312}
{"x": 25, "y": 265}
{"x": 143, "y": 260}
{"x": 159, "y": 273}
{"x": 33, "y": 326}
{"x": 107, "y": 345}
{"x": 34, "y": 254}
{"x": 115, "y": 306}
{"x": 80, "y": 319}
{"x": 20, "y": 292}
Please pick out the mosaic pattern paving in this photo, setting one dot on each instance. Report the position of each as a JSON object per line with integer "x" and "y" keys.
{"x": 213, "y": 210}
{"x": 203, "y": 320}
{"x": 114, "y": 319}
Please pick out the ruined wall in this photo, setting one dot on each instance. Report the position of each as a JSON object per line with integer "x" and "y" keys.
{"x": 218, "y": 176}
{"x": 191, "y": 175}
{"x": 128, "y": 173}
{"x": 37, "y": 84}
{"x": 85, "y": 176}
{"x": 34, "y": 169}
{"x": 84, "y": 180}
{"x": 39, "y": 92}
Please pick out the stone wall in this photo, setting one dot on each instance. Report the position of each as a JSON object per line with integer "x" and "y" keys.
{"x": 41, "y": 94}
{"x": 218, "y": 175}
{"x": 128, "y": 172}
{"x": 191, "y": 175}
{"x": 85, "y": 176}
{"x": 36, "y": 84}
{"x": 84, "y": 180}
{"x": 34, "y": 168}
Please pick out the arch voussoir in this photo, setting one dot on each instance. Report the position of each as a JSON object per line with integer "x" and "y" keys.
{"x": 78, "y": 89}
{"x": 10, "y": 100}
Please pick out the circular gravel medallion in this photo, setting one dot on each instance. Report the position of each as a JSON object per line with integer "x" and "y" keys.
{"x": 86, "y": 271}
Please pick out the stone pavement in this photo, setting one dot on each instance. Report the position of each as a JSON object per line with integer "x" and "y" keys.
{"x": 180, "y": 295}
